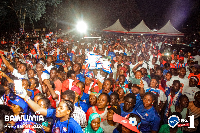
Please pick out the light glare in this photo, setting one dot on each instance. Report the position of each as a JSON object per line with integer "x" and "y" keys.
{"x": 81, "y": 27}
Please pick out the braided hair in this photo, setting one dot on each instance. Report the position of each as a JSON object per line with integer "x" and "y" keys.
{"x": 70, "y": 107}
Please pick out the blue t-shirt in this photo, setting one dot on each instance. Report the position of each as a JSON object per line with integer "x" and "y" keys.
{"x": 64, "y": 127}
{"x": 59, "y": 61}
{"x": 80, "y": 77}
{"x": 82, "y": 105}
{"x": 85, "y": 98}
{"x": 70, "y": 56}
{"x": 32, "y": 96}
{"x": 112, "y": 54}
{"x": 61, "y": 127}
{"x": 150, "y": 119}
{"x": 123, "y": 113}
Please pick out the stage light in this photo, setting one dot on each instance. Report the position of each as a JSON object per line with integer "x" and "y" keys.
{"x": 81, "y": 27}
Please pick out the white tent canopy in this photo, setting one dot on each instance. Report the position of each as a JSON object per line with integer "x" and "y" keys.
{"x": 116, "y": 27}
{"x": 141, "y": 28}
{"x": 169, "y": 30}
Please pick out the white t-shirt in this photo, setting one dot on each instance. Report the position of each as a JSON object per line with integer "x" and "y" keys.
{"x": 18, "y": 75}
{"x": 48, "y": 68}
{"x": 190, "y": 92}
{"x": 184, "y": 81}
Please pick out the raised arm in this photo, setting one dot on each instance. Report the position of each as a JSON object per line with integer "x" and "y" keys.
{"x": 53, "y": 94}
{"x": 139, "y": 63}
{"x": 33, "y": 105}
{"x": 6, "y": 76}
{"x": 6, "y": 63}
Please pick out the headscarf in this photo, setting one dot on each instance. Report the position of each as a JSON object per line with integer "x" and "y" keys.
{"x": 89, "y": 129}
{"x": 95, "y": 94}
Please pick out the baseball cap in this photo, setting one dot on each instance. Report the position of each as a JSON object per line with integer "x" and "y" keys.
{"x": 125, "y": 122}
{"x": 76, "y": 89}
{"x": 21, "y": 103}
{"x": 116, "y": 109}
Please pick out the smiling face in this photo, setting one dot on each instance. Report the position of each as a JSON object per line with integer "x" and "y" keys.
{"x": 95, "y": 124}
{"x": 25, "y": 84}
{"x": 135, "y": 90}
{"x": 121, "y": 93}
{"x": 182, "y": 72}
{"x": 138, "y": 75}
{"x": 129, "y": 103}
{"x": 121, "y": 79}
{"x": 31, "y": 73}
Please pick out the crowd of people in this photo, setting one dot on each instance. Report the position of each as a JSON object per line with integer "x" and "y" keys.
{"x": 139, "y": 88}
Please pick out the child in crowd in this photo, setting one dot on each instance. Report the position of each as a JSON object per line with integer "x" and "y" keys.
{"x": 114, "y": 98}
{"x": 94, "y": 124}
{"x": 93, "y": 99}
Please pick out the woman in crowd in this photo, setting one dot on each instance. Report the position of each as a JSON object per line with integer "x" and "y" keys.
{"x": 94, "y": 124}
{"x": 64, "y": 122}
{"x": 101, "y": 108}
{"x": 150, "y": 120}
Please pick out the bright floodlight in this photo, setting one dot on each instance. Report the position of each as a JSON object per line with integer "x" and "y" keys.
{"x": 81, "y": 27}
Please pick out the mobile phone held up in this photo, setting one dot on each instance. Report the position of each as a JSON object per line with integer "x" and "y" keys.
{"x": 18, "y": 86}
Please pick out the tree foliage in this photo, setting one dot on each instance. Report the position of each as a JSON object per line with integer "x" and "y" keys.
{"x": 31, "y": 9}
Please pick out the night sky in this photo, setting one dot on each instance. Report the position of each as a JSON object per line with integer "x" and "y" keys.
{"x": 102, "y": 13}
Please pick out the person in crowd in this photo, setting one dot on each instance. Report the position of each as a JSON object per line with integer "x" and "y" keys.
{"x": 20, "y": 72}
{"x": 150, "y": 120}
{"x": 79, "y": 103}
{"x": 90, "y": 83}
{"x": 94, "y": 124}
{"x": 101, "y": 108}
{"x": 128, "y": 105}
{"x": 93, "y": 99}
{"x": 194, "y": 109}
{"x": 34, "y": 84}
{"x": 49, "y": 65}
{"x": 71, "y": 81}
{"x": 173, "y": 93}
{"x": 181, "y": 107}
{"x": 65, "y": 123}
{"x": 135, "y": 89}
{"x": 109, "y": 125}
{"x": 78, "y": 115}
{"x": 107, "y": 86}
{"x": 192, "y": 89}
{"x": 114, "y": 98}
